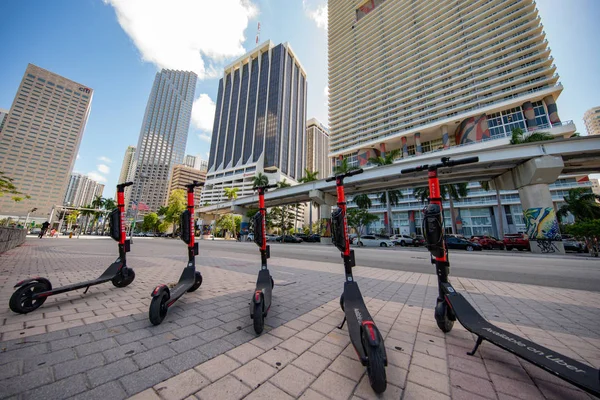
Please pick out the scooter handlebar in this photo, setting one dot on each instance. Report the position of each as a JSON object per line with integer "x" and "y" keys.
{"x": 345, "y": 174}
{"x": 123, "y": 185}
{"x": 194, "y": 184}
{"x": 415, "y": 169}
{"x": 467, "y": 160}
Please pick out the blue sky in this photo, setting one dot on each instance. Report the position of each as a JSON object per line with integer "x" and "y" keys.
{"x": 117, "y": 46}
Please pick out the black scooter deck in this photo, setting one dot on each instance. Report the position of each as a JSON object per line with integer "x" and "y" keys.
{"x": 581, "y": 375}
{"x": 356, "y": 312}
{"x": 106, "y": 276}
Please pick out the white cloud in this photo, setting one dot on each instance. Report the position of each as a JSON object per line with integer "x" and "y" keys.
{"x": 96, "y": 176}
{"x": 203, "y": 113}
{"x": 186, "y": 34}
{"x": 205, "y": 137}
{"x": 103, "y": 168}
{"x": 105, "y": 159}
{"x": 316, "y": 13}
{"x": 77, "y": 156}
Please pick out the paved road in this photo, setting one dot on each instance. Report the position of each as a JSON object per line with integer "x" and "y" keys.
{"x": 569, "y": 272}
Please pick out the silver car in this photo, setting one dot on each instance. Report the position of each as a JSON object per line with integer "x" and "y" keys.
{"x": 372, "y": 241}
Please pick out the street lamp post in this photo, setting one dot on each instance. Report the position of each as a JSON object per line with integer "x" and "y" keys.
{"x": 27, "y": 218}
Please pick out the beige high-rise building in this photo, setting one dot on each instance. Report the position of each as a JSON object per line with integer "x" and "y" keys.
{"x": 81, "y": 191}
{"x": 427, "y": 75}
{"x": 592, "y": 121}
{"x": 40, "y": 139}
{"x": 317, "y": 148}
{"x": 3, "y": 115}
{"x": 183, "y": 175}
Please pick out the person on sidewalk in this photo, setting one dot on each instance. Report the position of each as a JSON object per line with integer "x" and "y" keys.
{"x": 45, "y": 226}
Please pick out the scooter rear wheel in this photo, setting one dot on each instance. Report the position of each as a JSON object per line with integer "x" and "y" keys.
{"x": 121, "y": 280}
{"x": 21, "y": 301}
{"x": 442, "y": 317}
{"x": 375, "y": 366}
{"x": 158, "y": 308}
{"x": 342, "y": 302}
{"x": 259, "y": 318}
{"x": 197, "y": 282}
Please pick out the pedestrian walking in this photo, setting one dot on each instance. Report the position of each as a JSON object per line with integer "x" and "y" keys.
{"x": 45, "y": 226}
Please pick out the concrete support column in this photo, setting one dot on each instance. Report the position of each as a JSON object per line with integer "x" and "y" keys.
{"x": 245, "y": 227}
{"x": 382, "y": 149}
{"x": 552, "y": 109}
{"x": 445, "y": 137}
{"x": 532, "y": 179}
{"x": 529, "y": 115}
{"x": 540, "y": 219}
{"x": 418, "y": 147}
{"x": 326, "y": 221}
{"x": 404, "y": 147}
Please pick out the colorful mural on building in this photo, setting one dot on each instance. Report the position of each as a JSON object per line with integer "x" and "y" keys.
{"x": 474, "y": 129}
{"x": 541, "y": 223}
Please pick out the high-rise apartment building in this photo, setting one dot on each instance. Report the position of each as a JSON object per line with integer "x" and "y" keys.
{"x": 259, "y": 122}
{"x": 592, "y": 121}
{"x": 3, "y": 115}
{"x": 81, "y": 191}
{"x": 422, "y": 76}
{"x": 40, "y": 139}
{"x": 317, "y": 148}
{"x": 163, "y": 136}
{"x": 183, "y": 175}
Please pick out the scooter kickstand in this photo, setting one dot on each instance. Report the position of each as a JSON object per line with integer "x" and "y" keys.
{"x": 86, "y": 290}
{"x": 477, "y": 344}
{"x": 343, "y": 322}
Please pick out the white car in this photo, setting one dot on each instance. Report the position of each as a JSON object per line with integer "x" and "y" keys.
{"x": 402, "y": 240}
{"x": 372, "y": 241}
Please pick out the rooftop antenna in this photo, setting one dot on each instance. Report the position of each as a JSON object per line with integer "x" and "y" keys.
{"x": 258, "y": 33}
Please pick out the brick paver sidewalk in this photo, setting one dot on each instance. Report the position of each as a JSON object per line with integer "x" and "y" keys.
{"x": 101, "y": 344}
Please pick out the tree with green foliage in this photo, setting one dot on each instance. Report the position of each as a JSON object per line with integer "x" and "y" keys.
{"x": 259, "y": 180}
{"x": 8, "y": 187}
{"x": 281, "y": 218}
{"x": 363, "y": 201}
{"x": 231, "y": 193}
{"x": 581, "y": 203}
{"x": 588, "y": 231}
{"x": 309, "y": 176}
{"x": 388, "y": 198}
{"x": 151, "y": 222}
{"x": 452, "y": 192}
{"x": 518, "y": 137}
{"x": 485, "y": 185}
{"x": 359, "y": 218}
{"x": 109, "y": 205}
{"x": 229, "y": 223}
{"x": 284, "y": 214}
{"x": 97, "y": 204}
{"x": 175, "y": 206}
{"x": 343, "y": 167}
{"x": 72, "y": 219}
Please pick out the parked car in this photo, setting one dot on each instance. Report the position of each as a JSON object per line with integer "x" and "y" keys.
{"x": 35, "y": 231}
{"x": 372, "y": 241}
{"x": 402, "y": 240}
{"x": 453, "y": 242}
{"x": 250, "y": 237}
{"x": 488, "y": 242}
{"x": 271, "y": 238}
{"x": 418, "y": 241}
{"x": 516, "y": 241}
{"x": 289, "y": 239}
{"x": 571, "y": 244}
{"x": 308, "y": 238}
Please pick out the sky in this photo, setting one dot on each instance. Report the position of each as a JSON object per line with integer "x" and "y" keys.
{"x": 116, "y": 47}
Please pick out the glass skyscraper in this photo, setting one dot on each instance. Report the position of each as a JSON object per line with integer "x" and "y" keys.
{"x": 260, "y": 121}
{"x": 163, "y": 136}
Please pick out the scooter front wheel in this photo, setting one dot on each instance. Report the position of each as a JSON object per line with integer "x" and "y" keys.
{"x": 442, "y": 317}
{"x": 259, "y": 318}
{"x": 124, "y": 278}
{"x": 21, "y": 301}
{"x": 197, "y": 282}
{"x": 375, "y": 366}
{"x": 158, "y": 308}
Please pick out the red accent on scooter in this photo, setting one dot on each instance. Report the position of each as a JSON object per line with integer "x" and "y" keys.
{"x": 369, "y": 325}
{"x": 257, "y": 295}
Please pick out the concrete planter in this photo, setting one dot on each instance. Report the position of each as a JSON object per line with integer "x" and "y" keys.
{"x": 11, "y": 238}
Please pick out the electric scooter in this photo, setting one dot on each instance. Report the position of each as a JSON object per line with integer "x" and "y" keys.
{"x": 261, "y": 301}
{"x": 365, "y": 337}
{"x": 32, "y": 293}
{"x": 190, "y": 280}
{"x": 451, "y": 305}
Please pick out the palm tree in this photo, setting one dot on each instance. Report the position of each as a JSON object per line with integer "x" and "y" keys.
{"x": 581, "y": 202}
{"x": 97, "y": 203}
{"x": 109, "y": 205}
{"x": 260, "y": 179}
{"x": 343, "y": 167}
{"x": 309, "y": 177}
{"x": 388, "y": 197}
{"x": 362, "y": 201}
{"x": 518, "y": 138}
{"x": 86, "y": 213}
{"x": 72, "y": 218}
{"x": 453, "y": 192}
